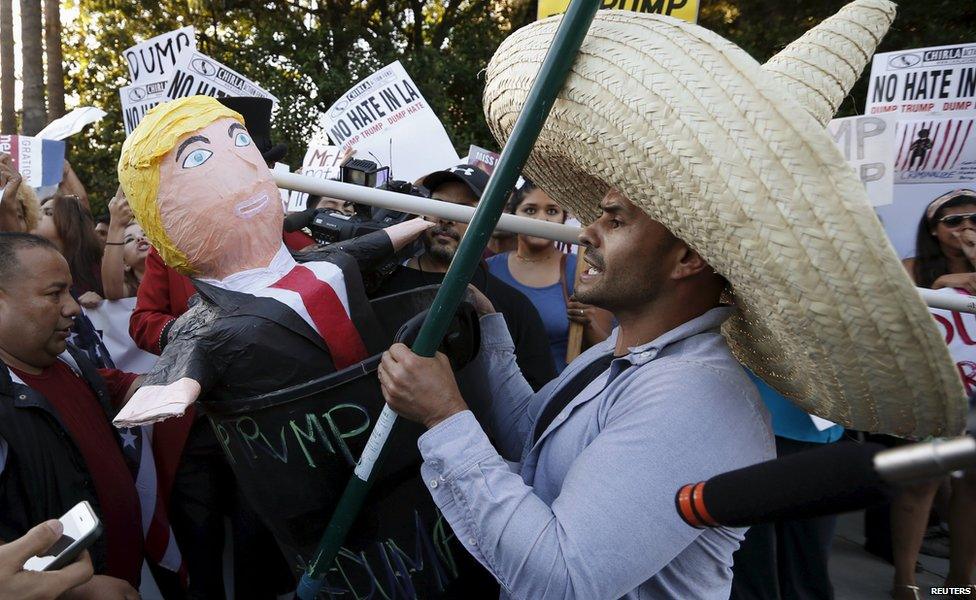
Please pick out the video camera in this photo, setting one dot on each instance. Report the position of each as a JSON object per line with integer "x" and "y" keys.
{"x": 329, "y": 226}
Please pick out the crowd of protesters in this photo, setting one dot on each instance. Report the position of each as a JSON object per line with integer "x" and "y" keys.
{"x": 58, "y": 260}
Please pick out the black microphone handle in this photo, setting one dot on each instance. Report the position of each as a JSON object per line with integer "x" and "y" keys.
{"x": 833, "y": 479}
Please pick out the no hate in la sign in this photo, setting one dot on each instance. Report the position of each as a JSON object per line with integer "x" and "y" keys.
{"x": 386, "y": 119}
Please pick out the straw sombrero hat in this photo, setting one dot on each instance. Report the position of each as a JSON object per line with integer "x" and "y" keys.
{"x": 733, "y": 157}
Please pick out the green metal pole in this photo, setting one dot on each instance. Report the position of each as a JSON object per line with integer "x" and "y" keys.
{"x": 552, "y": 74}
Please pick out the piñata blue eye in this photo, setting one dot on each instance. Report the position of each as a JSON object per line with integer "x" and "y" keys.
{"x": 196, "y": 158}
{"x": 242, "y": 139}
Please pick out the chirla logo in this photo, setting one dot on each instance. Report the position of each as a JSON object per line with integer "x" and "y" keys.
{"x": 904, "y": 61}
{"x": 203, "y": 66}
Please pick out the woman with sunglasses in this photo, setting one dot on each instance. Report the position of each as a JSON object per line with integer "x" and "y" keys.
{"x": 940, "y": 258}
{"x": 945, "y": 241}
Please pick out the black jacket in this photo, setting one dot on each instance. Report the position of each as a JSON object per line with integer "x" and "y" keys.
{"x": 44, "y": 473}
{"x": 522, "y": 319}
{"x": 238, "y": 345}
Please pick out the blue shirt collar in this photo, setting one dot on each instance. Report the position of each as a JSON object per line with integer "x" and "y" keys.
{"x": 639, "y": 355}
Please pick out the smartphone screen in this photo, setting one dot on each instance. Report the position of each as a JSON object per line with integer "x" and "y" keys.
{"x": 80, "y": 528}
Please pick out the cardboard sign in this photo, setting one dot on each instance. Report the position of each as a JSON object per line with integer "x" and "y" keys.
{"x": 867, "y": 143}
{"x": 39, "y": 162}
{"x": 322, "y": 161}
{"x": 937, "y": 150}
{"x": 137, "y": 99}
{"x": 386, "y": 120}
{"x": 924, "y": 80}
{"x": 482, "y": 158}
{"x": 156, "y": 58}
{"x": 686, "y": 10}
{"x": 959, "y": 331}
{"x": 198, "y": 74}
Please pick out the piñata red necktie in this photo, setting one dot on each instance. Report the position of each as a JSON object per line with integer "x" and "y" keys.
{"x": 328, "y": 314}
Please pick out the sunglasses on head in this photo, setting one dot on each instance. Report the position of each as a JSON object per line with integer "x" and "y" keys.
{"x": 956, "y": 220}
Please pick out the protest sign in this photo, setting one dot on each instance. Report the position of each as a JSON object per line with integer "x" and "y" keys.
{"x": 386, "y": 120}
{"x": 198, "y": 74}
{"x": 71, "y": 123}
{"x": 936, "y": 150}
{"x": 111, "y": 322}
{"x": 321, "y": 160}
{"x": 686, "y": 10}
{"x": 959, "y": 331}
{"x": 138, "y": 99}
{"x": 39, "y": 162}
{"x": 867, "y": 144}
{"x": 155, "y": 58}
{"x": 923, "y": 80}
{"x": 482, "y": 158}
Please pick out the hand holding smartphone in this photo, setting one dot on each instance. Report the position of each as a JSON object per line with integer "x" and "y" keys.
{"x": 16, "y": 583}
{"x": 80, "y": 527}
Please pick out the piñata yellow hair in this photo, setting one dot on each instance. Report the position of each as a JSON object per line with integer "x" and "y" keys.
{"x": 157, "y": 134}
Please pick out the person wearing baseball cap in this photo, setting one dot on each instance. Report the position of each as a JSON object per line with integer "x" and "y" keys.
{"x": 464, "y": 184}
{"x": 725, "y": 229}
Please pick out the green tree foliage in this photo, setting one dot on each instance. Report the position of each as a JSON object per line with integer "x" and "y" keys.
{"x": 307, "y": 52}
{"x": 763, "y": 27}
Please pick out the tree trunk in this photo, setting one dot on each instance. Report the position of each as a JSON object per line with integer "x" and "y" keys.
{"x": 8, "y": 118}
{"x": 35, "y": 112}
{"x": 52, "y": 50}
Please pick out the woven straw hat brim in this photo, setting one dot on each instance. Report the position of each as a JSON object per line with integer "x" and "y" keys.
{"x": 693, "y": 130}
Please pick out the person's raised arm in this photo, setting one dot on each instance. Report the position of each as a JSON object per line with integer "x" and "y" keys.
{"x": 113, "y": 269}
{"x": 10, "y": 182}
{"x": 71, "y": 186}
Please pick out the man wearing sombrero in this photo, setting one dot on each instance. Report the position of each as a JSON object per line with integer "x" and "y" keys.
{"x": 704, "y": 177}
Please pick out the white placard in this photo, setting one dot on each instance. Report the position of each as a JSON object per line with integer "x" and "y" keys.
{"x": 198, "y": 74}
{"x": 111, "y": 321}
{"x": 867, "y": 143}
{"x": 959, "y": 331}
{"x": 923, "y": 80}
{"x": 137, "y": 99}
{"x": 386, "y": 120}
{"x": 936, "y": 150}
{"x": 156, "y": 58}
{"x": 321, "y": 160}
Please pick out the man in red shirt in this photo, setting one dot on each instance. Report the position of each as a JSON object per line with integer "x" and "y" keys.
{"x": 57, "y": 444}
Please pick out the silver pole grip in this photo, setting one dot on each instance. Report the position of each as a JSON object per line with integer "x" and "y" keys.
{"x": 926, "y": 461}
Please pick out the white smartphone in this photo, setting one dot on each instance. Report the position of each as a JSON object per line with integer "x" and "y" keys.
{"x": 81, "y": 528}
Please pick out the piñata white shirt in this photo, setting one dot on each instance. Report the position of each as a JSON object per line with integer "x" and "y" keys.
{"x": 259, "y": 282}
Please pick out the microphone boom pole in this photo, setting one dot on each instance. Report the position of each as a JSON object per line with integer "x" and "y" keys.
{"x": 422, "y": 206}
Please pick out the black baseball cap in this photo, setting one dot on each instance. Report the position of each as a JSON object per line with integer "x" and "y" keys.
{"x": 473, "y": 177}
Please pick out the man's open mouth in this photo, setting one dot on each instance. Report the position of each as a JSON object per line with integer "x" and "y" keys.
{"x": 252, "y": 206}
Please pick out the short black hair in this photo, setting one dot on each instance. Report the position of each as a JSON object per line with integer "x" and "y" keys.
{"x": 10, "y": 245}
{"x": 103, "y": 218}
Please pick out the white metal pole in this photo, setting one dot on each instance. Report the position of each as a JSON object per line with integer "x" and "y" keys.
{"x": 956, "y": 302}
{"x": 421, "y": 206}
{"x": 511, "y": 223}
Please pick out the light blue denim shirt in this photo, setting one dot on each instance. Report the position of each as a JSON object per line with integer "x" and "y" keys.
{"x": 590, "y": 513}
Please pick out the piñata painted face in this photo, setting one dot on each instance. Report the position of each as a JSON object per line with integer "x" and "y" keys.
{"x": 218, "y": 202}
{"x": 201, "y": 191}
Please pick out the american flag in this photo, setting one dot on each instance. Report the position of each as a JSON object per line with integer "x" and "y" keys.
{"x": 160, "y": 543}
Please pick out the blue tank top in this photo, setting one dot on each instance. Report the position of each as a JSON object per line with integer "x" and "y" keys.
{"x": 548, "y": 301}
